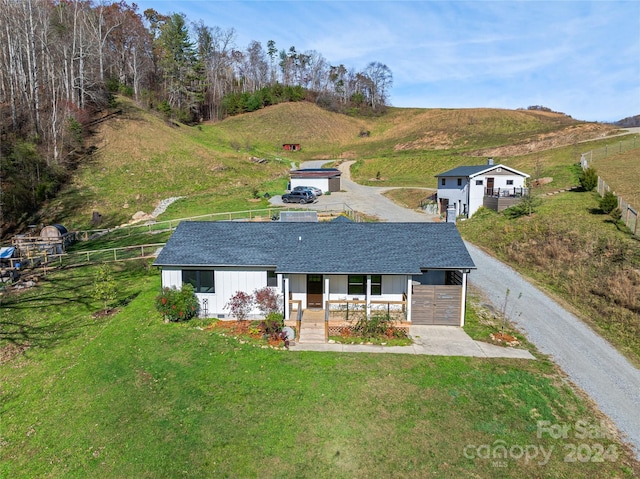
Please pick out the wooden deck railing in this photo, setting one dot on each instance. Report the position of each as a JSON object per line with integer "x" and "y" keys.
{"x": 506, "y": 192}
{"x": 359, "y": 305}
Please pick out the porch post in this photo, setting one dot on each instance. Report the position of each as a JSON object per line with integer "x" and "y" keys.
{"x": 368, "y": 297}
{"x": 463, "y": 306}
{"x": 409, "y": 292}
{"x": 325, "y": 296}
{"x": 287, "y": 306}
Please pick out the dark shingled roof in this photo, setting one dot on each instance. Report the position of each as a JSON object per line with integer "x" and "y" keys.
{"x": 361, "y": 248}
{"x": 464, "y": 171}
{"x": 341, "y": 219}
{"x": 468, "y": 171}
{"x": 316, "y": 173}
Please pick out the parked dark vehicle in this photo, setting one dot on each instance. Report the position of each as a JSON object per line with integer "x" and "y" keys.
{"x": 316, "y": 191}
{"x": 301, "y": 197}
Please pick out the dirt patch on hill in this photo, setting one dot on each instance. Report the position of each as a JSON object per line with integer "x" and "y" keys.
{"x": 544, "y": 141}
{"x": 10, "y": 351}
{"x": 434, "y": 141}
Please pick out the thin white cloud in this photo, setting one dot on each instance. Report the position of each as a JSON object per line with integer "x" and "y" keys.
{"x": 583, "y": 56}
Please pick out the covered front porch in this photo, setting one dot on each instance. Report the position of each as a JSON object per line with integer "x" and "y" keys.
{"x": 341, "y": 295}
{"x": 434, "y": 297}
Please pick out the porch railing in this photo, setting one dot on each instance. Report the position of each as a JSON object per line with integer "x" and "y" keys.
{"x": 298, "y": 310}
{"x": 506, "y": 192}
{"x": 350, "y": 306}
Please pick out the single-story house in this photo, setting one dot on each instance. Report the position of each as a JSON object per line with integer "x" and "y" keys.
{"x": 327, "y": 179}
{"x": 418, "y": 268}
{"x": 292, "y": 147}
{"x": 470, "y": 187}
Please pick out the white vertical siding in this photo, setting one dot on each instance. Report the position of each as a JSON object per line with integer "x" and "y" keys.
{"x": 476, "y": 194}
{"x": 456, "y": 194}
{"x": 463, "y": 305}
{"x": 338, "y": 286}
{"x": 227, "y": 282}
{"x": 171, "y": 278}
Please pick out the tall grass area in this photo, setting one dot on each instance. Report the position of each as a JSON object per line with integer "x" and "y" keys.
{"x": 130, "y": 396}
{"x": 469, "y": 137}
{"x": 579, "y": 254}
{"x": 622, "y": 173}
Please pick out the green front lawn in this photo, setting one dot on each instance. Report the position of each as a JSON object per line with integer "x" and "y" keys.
{"x": 131, "y": 396}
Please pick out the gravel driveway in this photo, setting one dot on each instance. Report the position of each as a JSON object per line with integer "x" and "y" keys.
{"x": 588, "y": 360}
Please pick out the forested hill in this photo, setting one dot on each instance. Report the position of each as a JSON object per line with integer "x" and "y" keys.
{"x": 61, "y": 63}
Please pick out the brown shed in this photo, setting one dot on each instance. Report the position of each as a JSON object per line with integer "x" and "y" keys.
{"x": 292, "y": 146}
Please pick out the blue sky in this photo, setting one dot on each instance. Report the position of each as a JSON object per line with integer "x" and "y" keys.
{"x": 581, "y": 58}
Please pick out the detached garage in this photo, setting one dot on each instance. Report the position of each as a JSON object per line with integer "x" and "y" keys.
{"x": 327, "y": 179}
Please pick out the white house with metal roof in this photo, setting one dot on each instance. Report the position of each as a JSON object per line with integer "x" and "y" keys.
{"x": 418, "y": 268}
{"x": 470, "y": 187}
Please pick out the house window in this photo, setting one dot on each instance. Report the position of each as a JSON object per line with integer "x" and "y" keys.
{"x": 376, "y": 285}
{"x": 459, "y": 181}
{"x": 356, "y": 284}
{"x": 272, "y": 278}
{"x": 443, "y": 181}
{"x": 479, "y": 182}
{"x": 202, "y": 281}
{"x": 509, "y": 182}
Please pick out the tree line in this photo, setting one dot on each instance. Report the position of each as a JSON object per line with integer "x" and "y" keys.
{"x": 62, "y": 62}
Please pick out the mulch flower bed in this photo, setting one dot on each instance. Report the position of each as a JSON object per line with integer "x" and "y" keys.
{"x": 505, "y": 338}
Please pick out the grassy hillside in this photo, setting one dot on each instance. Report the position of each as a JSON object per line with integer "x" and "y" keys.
{"x": 142, "y": 159}
{"x": 622, "y": 173}
{"x": 130, "y": 396}
{"x": 578, "y": 254}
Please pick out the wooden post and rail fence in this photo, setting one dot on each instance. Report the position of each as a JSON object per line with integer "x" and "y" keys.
{"x": 43, "y": 251}
{"x": 629, "y": 212}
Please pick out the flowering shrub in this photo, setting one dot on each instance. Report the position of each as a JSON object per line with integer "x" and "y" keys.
{"x": 267, "y": 300}
{"x": 177, "y": 305}
{"x": 240, "y": 305}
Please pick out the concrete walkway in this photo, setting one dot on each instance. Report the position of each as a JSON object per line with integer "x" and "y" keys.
{"x": 428, "y": 340}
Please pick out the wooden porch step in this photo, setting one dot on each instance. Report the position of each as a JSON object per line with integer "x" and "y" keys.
{"x": 312, "y": 327}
